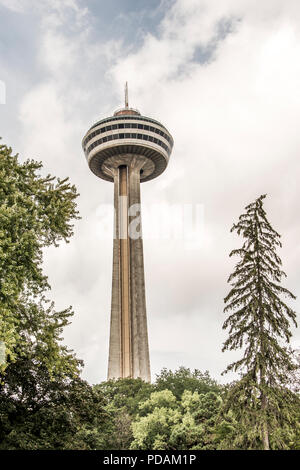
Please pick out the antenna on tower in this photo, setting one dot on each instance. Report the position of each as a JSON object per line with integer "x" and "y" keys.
{"x": 126, "y": 95}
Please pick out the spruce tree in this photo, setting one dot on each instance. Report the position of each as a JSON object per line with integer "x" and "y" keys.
{"x": 259, "y": 322}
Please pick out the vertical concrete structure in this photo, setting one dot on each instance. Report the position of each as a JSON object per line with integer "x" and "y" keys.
{"x": 127, "y": 149}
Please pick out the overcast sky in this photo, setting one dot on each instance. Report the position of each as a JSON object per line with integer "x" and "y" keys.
{"x": 224, "y": 78}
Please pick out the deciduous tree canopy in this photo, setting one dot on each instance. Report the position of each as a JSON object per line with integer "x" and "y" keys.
{"x": 35, "y": 212}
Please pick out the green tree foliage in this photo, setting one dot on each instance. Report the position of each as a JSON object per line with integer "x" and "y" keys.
{"x": 154, "y": 411}
{"x": 125, "y": 393}
{"x": 259, "y": 322}
{"x": 35, "y": 212}
{"x": 159, "y": 414}
{"x": 185, "y": 379}
{"x": 43, "y": 403}
{"x": 42, "y": 412}
{"x": 166, "y": 423}
{"x": 122, "y": 398}
{"x": 180, "y": 414}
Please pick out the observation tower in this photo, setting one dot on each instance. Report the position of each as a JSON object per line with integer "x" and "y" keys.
{"x": 128, "y": 149}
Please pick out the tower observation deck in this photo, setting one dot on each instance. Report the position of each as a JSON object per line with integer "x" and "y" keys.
{"x": 128, "y": 149}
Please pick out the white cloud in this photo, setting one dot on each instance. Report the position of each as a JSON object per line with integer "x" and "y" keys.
{"x": 2, "y": 92}
{"x": 13, "y": 5}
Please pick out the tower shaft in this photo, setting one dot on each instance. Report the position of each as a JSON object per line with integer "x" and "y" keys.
{"x": 128, "y": 348}
{"x": 127, "y": 149}
{"x": 124, "y": 275}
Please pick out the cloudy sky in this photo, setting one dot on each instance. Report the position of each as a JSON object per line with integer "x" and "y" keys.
{"x": 224, "y": 78}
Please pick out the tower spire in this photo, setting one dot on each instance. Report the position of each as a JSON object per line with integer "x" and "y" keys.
{"x": 126, "y": 95}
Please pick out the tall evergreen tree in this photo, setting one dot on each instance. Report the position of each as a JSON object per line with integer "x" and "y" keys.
{"x": 259, "y": 322}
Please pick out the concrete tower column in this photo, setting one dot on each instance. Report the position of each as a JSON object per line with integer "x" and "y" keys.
{"x": 115, "y": 355}
{"x": 129, "y": 349}
{"x": 140, "y": 347}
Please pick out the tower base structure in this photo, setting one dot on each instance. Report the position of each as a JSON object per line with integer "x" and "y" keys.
{"x": 128, "y": 346}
